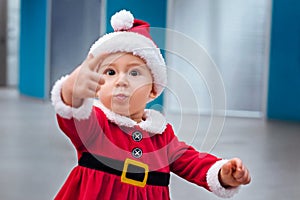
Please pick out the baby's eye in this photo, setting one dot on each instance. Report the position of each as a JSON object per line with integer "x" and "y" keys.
{"x": 110, "y": 72}
{"x": 134, "y": 73}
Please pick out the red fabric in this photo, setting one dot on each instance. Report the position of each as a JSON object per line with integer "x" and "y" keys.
{"x": 161, "y": 152}
{"x": 141, "y": 27}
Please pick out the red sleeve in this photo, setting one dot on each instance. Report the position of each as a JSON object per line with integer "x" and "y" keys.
{"x": 82, "y": 132}
{"x": 188, "y": 163}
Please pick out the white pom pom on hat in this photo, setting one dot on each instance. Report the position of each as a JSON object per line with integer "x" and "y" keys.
{"x": 133, "y": 36}
{"x": 122, "y": 20}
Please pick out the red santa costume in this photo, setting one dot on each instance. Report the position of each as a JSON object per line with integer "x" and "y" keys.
{"x": 119, "y": 158}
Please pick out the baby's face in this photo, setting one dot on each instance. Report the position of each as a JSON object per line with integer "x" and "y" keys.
{"x": 128, "y": 85}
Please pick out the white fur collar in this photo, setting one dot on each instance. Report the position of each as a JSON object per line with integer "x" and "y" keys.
{"x": 155, "y": 122}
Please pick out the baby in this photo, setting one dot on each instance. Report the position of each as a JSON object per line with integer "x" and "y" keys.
{"x": 124, "y": 150}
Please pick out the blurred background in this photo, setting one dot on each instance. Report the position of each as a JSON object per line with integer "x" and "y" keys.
{"x": 248, "y": 79}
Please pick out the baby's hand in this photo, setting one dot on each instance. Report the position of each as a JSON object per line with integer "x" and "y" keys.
{"x": 234, "y": 173}
{"x": 88, "y": 80}
{"x": 83, "y": 82}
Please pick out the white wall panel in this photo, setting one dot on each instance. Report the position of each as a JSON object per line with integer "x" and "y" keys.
{"x": 235, "y": 35}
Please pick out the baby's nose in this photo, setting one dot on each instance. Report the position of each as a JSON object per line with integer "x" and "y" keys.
{"x": 122, "y": 80}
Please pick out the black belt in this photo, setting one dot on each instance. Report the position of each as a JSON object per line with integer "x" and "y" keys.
{"x": 131, "y": 171}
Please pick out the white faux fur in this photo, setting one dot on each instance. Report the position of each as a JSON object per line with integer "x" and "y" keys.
{"x": 214, "y": 183}
{"x": 154, "y": 121}
{"x": 65, "y": 111}
{"x": 122, "y": 20}
{"x": 138, "y": 45}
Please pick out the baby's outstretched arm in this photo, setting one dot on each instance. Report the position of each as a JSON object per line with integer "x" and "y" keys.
{"x": 234, "y": 173}
{"x": 83, "y": 82}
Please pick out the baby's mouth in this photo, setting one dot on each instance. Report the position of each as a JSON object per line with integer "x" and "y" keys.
{"x": 121, "y": 97}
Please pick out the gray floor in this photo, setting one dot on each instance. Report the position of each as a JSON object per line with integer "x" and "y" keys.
{"x": 36, "y": 157}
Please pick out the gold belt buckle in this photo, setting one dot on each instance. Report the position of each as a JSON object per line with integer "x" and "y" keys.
{"x": 125, "y": 179}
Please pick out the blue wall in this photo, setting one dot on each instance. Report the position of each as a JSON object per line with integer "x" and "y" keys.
{"x": 154, "y": 12}
{"x": 284, "y": 74}
{"x": 33, "y": 37}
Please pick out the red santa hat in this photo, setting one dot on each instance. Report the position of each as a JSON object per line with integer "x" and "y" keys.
{"x": 133, "y": 36}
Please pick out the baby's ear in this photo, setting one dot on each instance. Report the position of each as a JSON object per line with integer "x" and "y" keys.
{"x": 153, "y": 93}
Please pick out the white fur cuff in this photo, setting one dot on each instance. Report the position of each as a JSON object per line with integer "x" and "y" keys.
{"x": 214, "y": 184}
{"x": 65, "y": 111}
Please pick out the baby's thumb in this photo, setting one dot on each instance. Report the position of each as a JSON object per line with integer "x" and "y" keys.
{"x": 226, "y": 168}
{"x": 89, "y": 56}
{"x": 101, "y": 80}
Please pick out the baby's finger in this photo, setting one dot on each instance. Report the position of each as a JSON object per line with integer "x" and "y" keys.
{"x": 92, "y": 89}
{"x": 93, "y": 76}
{"x": 246, "y": 178}
{"x": 242, "y": 176}
{"x": 96, "y": 77}
{"x": 96, "y": 61}
{"x": 90, "y": 56}
{"x": 239, "y": 173}
{"x": 98, "y": 81}
{"x": 236, "y": 162}
{"x": 226, "y": 168}
{"x": 101, "y": 80}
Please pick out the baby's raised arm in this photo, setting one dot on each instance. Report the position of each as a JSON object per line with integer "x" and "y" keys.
{"x": 83, "y": 82}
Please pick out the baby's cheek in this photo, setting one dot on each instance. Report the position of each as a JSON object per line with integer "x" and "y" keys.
{"x": 104, "y": 97}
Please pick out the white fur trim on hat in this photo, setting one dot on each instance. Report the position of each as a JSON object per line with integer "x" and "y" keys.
{"x": 214, "y": 184}
{"x": 65, "y": 111}
{"x": 122, "y": 20}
